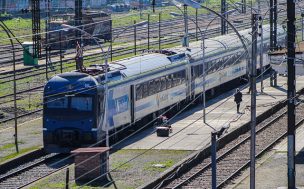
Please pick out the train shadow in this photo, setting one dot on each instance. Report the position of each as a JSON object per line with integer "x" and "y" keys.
{"x": 280, "y": 88}
{"x": 299, "y": 158}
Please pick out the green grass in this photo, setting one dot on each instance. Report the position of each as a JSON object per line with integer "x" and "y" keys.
{"x": 15, "y": 154}
{"x": 20, "y": 27}
{"x": 7, "y": 146}
{"x": 121, "y": 166}
{"x": 167, "y": 164}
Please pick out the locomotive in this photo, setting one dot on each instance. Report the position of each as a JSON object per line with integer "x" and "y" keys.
{"x": 96, "y": 23}
{"x": 78, "y": 112}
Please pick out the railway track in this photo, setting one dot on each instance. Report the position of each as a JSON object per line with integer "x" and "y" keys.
{"x": 40, "y": 72}
{"x": 26, "y": 172}
{"x": 167, "y": 27}
{"x": 94, "y": 58}
{"x": 234, "y": 157}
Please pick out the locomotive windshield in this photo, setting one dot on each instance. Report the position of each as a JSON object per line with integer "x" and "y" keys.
{"x": 57, "y": 103}
{"x": 81, "y": 103}
{"x": 69, "y": 105}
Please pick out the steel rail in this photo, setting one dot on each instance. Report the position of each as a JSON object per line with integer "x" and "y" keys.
{"x": 208, "y": 166}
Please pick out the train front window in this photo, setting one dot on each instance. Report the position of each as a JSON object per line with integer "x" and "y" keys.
{"x": 57, "y": 103}
{"x": 82, "y": 103}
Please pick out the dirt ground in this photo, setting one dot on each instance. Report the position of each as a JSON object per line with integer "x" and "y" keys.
{"x": 129, "y": 169}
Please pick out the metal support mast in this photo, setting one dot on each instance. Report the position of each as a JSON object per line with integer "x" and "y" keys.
{"x": 36, "y": 30}
{"x": 254, "y": 23}
{"x": 273, "y": 23}
{"x": 261, "y": 53}
{"x": 291, "y": 91}
{"x": 47, "y": 46}
{"x": 261, "y": 46}
{"x": 223, "y": 21}
{"x": 78, "y": 20}
{"x": 186, "y": 37}
{"x": 213, "y": 158}
{"x": 244, "y": 6}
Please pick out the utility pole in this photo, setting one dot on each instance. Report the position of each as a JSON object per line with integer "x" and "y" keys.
{"x": 273, "y": 16}
{"x": 261, "y": 52}
{"x": 291, "y": 92}
{"x": 47, "y": 46}
{"x": 244, "y": 6}
{"x": 271, "y": 23}
{"x": 254, "y": 23}
{"x": 78, "y": 20}
{"x": 36, "y": 27}
{"x": 215, "y": 134}
{"x": 273, "y": 33}
{"x": 186, "y": 37}
{"x": 213, "y": 158}
{"x": 261, "y": 45}
{"x": 223, "y": 21}
{"x": 275, "y": 23}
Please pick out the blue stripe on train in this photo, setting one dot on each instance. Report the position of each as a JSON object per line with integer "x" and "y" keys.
{"x": 145, "y": 106}
{"x": 116, "y": 106}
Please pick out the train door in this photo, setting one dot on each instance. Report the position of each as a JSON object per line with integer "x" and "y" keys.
{"x": 132, "y": 103}
{"x": 190, "y": 92}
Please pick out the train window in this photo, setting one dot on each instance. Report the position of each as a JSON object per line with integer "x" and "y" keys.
{"x": 176, "y": 79}
{"x": 183, "y": 76}
{"x": 151, "y": 88}
{"x": 201, "y": 70}
{"x": 163, "y": 84}
{"x": 169, "y": 81}
{"x": 145, "y": 90}
{"x": 193, "y": 72}
{"x": 82, "y": 103}
{"x": 139, "y": 93}
{"x": 57, "y": 102}
{"x": 157, "y": 85}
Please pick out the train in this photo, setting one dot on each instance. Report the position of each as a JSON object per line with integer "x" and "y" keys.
{"x": 96, "y": 23}
{"x": 78, "y": 111}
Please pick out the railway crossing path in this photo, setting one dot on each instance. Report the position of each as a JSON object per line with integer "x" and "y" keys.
{"x": 191, "y": 133}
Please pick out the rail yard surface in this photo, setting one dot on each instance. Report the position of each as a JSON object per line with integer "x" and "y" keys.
{"x": 135, "y": 95}
{"x": 142, "y": 169}
{"x": 272, "y": 168}
{"x": 191, "y": 133}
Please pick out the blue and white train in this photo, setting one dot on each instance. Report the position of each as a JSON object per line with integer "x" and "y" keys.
{"x": 139, "y": 88}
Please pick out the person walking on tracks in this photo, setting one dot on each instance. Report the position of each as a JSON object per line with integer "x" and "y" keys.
{"x": 79, "y": 57}
{"x": 238, "y": 99}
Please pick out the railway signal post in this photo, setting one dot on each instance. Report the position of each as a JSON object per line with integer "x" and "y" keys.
{"x": 291, "y": 92}
{"x": 254, "y": 23}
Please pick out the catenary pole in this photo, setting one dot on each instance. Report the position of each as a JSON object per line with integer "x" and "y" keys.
{"x": 254, "y": 23}
{"x": 213, "y": 158}
{"x": 291, "y": 91}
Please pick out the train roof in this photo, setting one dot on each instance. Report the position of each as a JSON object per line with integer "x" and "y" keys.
{"x": 70, "y": 81}
{"x": 219, "y": 43}
{"x": 154, "y": 60}
{"x": 147, "y": 62}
